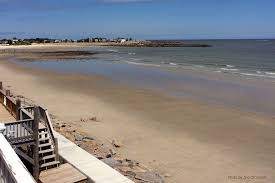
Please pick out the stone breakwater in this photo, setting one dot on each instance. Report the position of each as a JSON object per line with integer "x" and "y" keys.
{"x": 155, "y": 44}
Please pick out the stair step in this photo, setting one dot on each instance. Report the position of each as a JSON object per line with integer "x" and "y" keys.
{"x": 44, "y": 145}
{"x": 42, "y": 139}
{"x": 42, "y": 127}
{"x": 43, "y": 133}
{"x": 48, "y": 157}
{"x": 49, "y": 164}
{"x": 46, "y": 151}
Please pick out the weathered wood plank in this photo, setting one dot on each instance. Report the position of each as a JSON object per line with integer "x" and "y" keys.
{"x": 63, "y": 174}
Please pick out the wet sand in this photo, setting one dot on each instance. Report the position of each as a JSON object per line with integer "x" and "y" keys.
{"x": 190, "y": 140}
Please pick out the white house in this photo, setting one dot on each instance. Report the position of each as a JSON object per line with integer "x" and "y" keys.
{"x": 123, "y": 40}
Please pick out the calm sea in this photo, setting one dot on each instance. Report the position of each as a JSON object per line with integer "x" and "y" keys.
{"x": 246, "y": 57}
{"x": 238, "y": 73}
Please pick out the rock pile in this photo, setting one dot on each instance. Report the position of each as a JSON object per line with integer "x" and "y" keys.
{"x": 130, "y": 168}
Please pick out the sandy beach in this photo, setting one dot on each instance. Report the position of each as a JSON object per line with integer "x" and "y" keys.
{"x": 188, "y": 140}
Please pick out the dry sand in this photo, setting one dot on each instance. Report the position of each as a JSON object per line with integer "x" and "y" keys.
{"x": 191, "y": 141}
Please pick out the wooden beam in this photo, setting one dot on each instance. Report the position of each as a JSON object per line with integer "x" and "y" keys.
{"x": 18, "y": 106}
{"x": 1, "y": 85}
{"x": 23, "y": 155}
{"x": 56, "y": 148}
{"x": 26, "y": 143}
{"x": 8, "y": 93}
{"x": 35, "y": 148}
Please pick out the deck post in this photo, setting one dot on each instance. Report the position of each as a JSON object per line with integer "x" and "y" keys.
{"x": 18, "y": 106}
{"x": 2, "y": 128}
{"x": 8, "y": 93}
{"x": 35, "y": 148}
{"x": 56, "y": 148}
{"x": 1, "y": 85}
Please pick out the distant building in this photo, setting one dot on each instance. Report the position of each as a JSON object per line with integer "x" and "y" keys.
{"x": 123, "y": 40}
{"x": 15, "y": 41}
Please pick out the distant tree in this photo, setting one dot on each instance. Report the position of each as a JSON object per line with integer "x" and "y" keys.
{"x": 9, "y": 42}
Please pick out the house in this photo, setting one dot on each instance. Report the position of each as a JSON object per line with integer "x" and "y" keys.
{"x": 123, "y": 40}
{"x": 103, "y": 39}
{"x": 15, "y": 41}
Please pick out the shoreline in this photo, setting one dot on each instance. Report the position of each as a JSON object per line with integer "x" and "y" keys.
{"x": 185, "y": 138}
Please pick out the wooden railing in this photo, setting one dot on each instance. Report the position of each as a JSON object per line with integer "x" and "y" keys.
{"x": 19, "y": 131}
{"x": 8, "y": 101}
{"x": 11, "y": 105}
{"x": 12, "y": 170}
{"x": 28, "y": 113}
{"x": 46, "y": 120}
{"x": 2, "y": 96}
{"x": 25, "y": 130}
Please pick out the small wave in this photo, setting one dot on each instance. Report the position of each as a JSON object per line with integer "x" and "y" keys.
{"x": 258, "y": 75}
{"x": 143, "y": 64}
{"x": 270, "y": 73}
{"x": 230, "y": 66}
{"x": 263, "y": 40}
{"x": 174, "y": 64}
{"x": 227, "y": 69}
{"x": 113, "y": 50}
{"x": 258, "y": 72}
{"x": 131, "y": 53}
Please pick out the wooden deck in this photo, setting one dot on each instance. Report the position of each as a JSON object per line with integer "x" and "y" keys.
{"x": 65, "y": 173}
{"x": 5, "y": 116}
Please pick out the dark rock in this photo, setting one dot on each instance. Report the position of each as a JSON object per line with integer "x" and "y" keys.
{"x": 78, "y": 144}
{"x": 93, "y": 119}
{"x": 109, "y": 155}
{"x": 167, "y": 175}
{"x": 116, "y": 143}
{"x": 63, "y": 125}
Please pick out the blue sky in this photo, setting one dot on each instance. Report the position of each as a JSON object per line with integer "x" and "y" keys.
{"x": 141, "y": 19}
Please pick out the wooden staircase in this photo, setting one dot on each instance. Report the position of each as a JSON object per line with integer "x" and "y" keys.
{"x": 47, "y": 155}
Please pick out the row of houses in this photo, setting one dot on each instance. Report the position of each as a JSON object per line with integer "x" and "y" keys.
{"x": 16, "y": 41}
{"x": 102, "y": 40}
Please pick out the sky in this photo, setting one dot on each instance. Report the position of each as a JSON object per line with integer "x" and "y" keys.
{"x": 139, "y": 19}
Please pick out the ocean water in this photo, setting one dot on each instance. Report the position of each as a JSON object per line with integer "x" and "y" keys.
{"x": 245, "y": 57}
{"x": 235, "y": 73}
